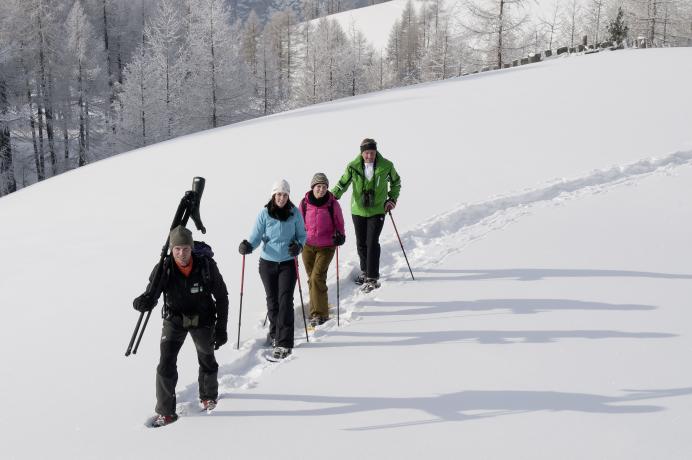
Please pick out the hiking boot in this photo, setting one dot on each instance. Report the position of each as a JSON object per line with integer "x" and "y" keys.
{"x": 281, "y": 352}
{"x": 360, "y": 279}
{"x": 322, "y": 319}
{"x": 208, "y": 404}
{"x": 163, "y": 420}
{"x": 314, "y": 321}
{"x": 370, "y": 284}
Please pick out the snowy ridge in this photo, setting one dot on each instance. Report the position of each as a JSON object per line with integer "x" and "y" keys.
{"x": 469, "y": 222}
{"x": 428, "y": 245}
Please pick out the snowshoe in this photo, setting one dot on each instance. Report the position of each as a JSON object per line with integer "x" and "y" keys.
{"x": 360, "y": 279}
{"x": 370, "y": 285}
{"x": 278, "y": 354}
{"x": 163, "y": 420}
{"x": 208, "y": 404}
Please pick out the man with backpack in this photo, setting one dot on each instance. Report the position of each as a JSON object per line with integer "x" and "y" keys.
{"x": 195, "y": 302}
{"x": 376, "y": 187}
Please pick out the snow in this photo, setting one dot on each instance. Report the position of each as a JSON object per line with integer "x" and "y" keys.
{"x": 544, "y": 210}
{"x": 375, "y": 21}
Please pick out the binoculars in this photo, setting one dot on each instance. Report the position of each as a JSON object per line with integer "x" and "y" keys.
{"x": 368, "y": 198}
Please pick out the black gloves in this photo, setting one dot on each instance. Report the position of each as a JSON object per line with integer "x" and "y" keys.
{"x": 294, "y": 249}
{"x": 220, "y": 338}
{"x": 144, "y": 303}
{"x": 338, "y": 239}
{"x": 245, "y": 247}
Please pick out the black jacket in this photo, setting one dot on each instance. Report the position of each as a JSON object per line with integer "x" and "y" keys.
{"x": 203, "y": 293}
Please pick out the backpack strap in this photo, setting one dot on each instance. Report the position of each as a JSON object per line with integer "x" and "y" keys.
{"x": 203, "y": 251}
{"x": 331, "y": 214}
{"x": 304, "y": 208}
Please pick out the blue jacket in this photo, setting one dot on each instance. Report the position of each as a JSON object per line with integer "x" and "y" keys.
{"x": 277, "y": 235}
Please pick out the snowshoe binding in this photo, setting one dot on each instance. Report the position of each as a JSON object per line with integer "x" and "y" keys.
{"x": 279, "y": 353}
{"x": 208, "y": 404}
{"x": 370, "y": 285}
{"x": 163, "y": 420}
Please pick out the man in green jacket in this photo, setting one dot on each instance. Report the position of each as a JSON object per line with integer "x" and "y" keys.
{"x": 376, "y": 186}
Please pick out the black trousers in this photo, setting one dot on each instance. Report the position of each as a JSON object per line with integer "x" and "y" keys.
{"x": 279, "y": 279}
{"x": 172, "y": 337}
{"x": 368, "y": 231}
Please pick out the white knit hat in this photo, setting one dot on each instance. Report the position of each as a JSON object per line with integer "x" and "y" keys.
{"x": 281, "y": 187}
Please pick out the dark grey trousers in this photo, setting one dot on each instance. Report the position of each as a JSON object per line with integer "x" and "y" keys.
{"x": 279, "y": 279}
{"x": 368, "y": 231}
{"x": 172, "y": 337}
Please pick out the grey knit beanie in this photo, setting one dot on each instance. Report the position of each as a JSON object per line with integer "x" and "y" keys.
{"x": 319, "y": 178}
{"x": 180, "y": 236}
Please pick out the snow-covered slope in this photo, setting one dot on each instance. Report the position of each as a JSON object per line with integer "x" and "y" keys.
{"x": 544, "y": 210}
{"x": 375, "y": 21}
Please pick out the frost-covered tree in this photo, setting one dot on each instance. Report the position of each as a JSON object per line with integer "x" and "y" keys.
{"x": 358, "y": 58}
{"x": 166, "y": 51}
{"x": 595, "y": 10}
{"x": 550, "y": 22}
{"x": 405, "y": 48}
{"x": 662, "y": 22}
{"x": 617, "y": 29}
{"x": 281, "y": 37}
{"x": 8, "y": 183}
{"x": 325, "y": 74}
{"x": 83, "y": 64}
{"x": 495, "y": 26}
{"x": 215, "y": 84}
{"x": 571, "y": 24}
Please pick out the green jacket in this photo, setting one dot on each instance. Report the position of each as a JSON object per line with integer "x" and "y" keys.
{"x": 386, "y": 184}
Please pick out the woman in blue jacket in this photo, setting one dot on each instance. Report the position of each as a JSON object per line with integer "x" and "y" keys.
{"x": 281, "y": 228}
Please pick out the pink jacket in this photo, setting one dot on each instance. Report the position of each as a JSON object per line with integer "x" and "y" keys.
{"x": 318, "y": 221}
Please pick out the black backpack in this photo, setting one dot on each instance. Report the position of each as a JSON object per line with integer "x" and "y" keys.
{"x": 203, "y": 251}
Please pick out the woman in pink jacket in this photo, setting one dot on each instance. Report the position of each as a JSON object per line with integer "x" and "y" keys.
{"x": 324, "y": 224}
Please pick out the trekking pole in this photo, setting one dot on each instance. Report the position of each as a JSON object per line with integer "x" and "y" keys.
{"x": 400, "y": 244}
{"x": 302, "y": 305}
{"x": 240, "y": 311}
{"x": 337, "y": 286}
{"x": 141, "y": 332}
{"x": 134, "y": 334}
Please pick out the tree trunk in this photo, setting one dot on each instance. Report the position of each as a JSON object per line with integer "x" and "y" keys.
{"x": 213, "y": 69}
{"x": 111, "y": 87}
{"x": 82, "y": 123}
{"x": 41, "y": 173}
{"x": 46, "y": 89}
{"x": 87, "y": 122}
{"x": 66, "y": 138}
{"x": 8, "y": 184}
{"x": 499, "y": 34}
{"x": 29, "y": 101}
